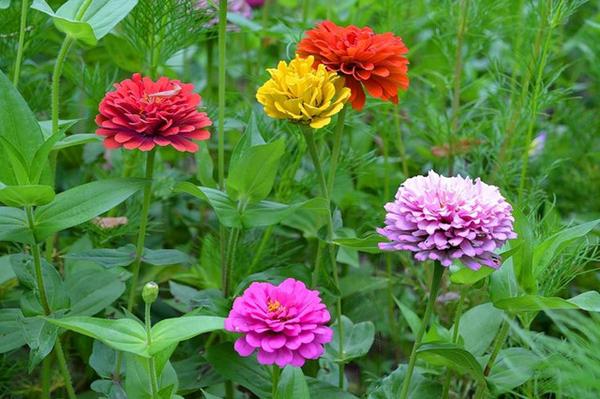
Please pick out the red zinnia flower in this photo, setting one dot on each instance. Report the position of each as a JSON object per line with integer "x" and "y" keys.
{"x": 376, "y": 61}
{"x": 143, "y": 114}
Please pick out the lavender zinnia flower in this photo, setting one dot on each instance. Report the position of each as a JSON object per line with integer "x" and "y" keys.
{"x": 285, "y": 323}
{"x": 446, "y": 218}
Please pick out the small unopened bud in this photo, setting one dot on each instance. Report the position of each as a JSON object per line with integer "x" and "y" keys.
{"x": 150, "y": 292}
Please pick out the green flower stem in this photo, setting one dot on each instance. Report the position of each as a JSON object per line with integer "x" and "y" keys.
{"x": 56, "y": 74}
{"x": 455, "y": 335}
{"x": 37, "y": 264}
{"x": 337, "y": 147}
{"x": 498, "y": 344}
{"x": 436, "y": 279}
{"x": 305, "y": 10}
{"x": 275, "y": 380}
{"x": 221, "y": 114}
{"x": 151, "y": 365}
{"x": 458, "y": 67}
{"x": 45, "y": 377}
{"x": 312, "y": 149}
{"x": 400, "y": 141}
{"x": 139, "y": 249}
{"x": 20, "y": 49}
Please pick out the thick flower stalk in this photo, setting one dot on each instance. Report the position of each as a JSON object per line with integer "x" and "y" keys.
{"x": 285, "y": 324}
{"x": 142, "y": 114}
{"x": 448, "y": 218}
{"x": 302, "y": 94}
{"x": 376, "y": 62}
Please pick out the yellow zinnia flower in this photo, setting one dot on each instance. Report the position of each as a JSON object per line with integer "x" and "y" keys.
{"x": 303, "y": 94}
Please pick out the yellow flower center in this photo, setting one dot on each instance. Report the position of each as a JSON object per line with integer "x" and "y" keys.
{"x": 273, "y": 305}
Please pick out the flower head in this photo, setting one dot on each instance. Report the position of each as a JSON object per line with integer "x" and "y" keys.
{"x": 286, "y": 324}
{"x": 364, "y": 58}
{"x": 446, "y": 218}
{"x": 302, "y": 94}
{"x": 142, "y": 114}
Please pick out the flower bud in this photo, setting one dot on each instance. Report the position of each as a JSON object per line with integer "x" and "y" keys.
{"x": 150, "y": 292}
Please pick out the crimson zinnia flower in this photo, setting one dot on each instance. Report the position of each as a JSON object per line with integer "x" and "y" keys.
{"x": 364, "y": 58}
{"x": 286, "y": 324}
{"x": 142, "y": 114}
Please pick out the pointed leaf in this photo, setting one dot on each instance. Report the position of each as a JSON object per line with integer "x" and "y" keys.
{"x": 26, "y": 195}
{"x": 171, "y": 331}
{"x": 292, "y": 384}
{"x": 455, "y": 357}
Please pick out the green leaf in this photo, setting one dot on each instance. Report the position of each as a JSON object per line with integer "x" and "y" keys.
{"x": 105, "y": 257}
{"x": 40, "y": 337}
{"x": 414, "y": 322}
{"x": 26, "y": 195}
{"x": 75, "y": 140}
{"x": 523, "y": 258}
{"x": 268, "y": 213}
{"x": 322, "y": 390}
{"x": 243, "y": 22}
{"x": 82, "y": 203}
{"x": 6, "y": 271}
{"x": 19, "y": 128}
{"x": 478, "y": 327}
{"x": 420, "y": 387}
{"x": 358, "y": 339}
{"x": 91, "y": 289}
{"x": 11, "y": 336}
{"x": 244, "y": 371}
{"x": 98, "y": 20}
{"x": 252, "y": 176}
{"x": 225, "y": 209}
{"x": 40, "y": 159}
{"x": 204, "y": 165}
{"x": 589, "y": 301}
{"x": 252, "y": 137}
{"x": 14, "y": 226}
{"x": 503, "y": 283}
{"x": 137, "y": 382}
{"x": 467, "y": 276}
{"x": 368, "y": 244}
{"x": 163, "y": 257}
{"x": 122, "y": 334}
{"x": 513, "y": 367}
{"x": 4, "y": 4}
{"x": 292, "y": 384}
{"x": 55, "y": 292}
{"x": 555, "y": 244}
{"x": 454, "y": 357}
{"x": 103, "y": 360}
{"x": 171, "y": 331}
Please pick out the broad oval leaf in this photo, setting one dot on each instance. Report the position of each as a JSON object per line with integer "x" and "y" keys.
{"x": 26, "y": 195}
{"x": 14, "y": 226}
{"x": 292, "y": 384}
{"x": 171, "y": 331}
{"x": 82, "y": 203}
{"x": 589, "y": 301}
{"x": 123, "y": 334}
{"x": 97, "y": 21}
{"x": 358, "y": 339}
{"x": 75, "y": 140}
{"x": 455, "y": 357}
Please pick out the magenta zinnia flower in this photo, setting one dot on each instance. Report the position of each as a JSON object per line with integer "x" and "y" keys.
{"x": 286, "y": 323}
{"x": 447, "y": 218}
{"x": 142, "y": 114}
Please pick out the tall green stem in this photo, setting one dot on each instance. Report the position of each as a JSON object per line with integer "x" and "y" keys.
{"x": 498, "y": 344}
{"x": 261, "y": 248}
{"x": 56, "y": 74}
{"x": 39, "y": 277}
{"x": 337, "y": 147}
{"x": 312, "y": 149}
{"x": 20, "y": 49}
{"x": 458, "y": 67}
{"x": 275, "y": 380}
{"x": 141, "y": 239}
{"x": 436, "y": 279}
{"x": 455, "y": 335}
{"x": 151, "y": 363}
{"x": 46, "y": 376}
{"x": 221, "y": 114}
{"x": 400, "y": 141}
